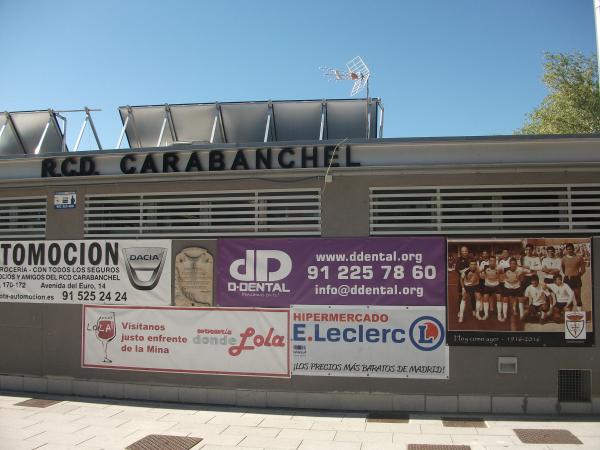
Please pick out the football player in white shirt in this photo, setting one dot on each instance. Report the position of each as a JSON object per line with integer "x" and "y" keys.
{"x": 469, "y": 281}
{"x": 539, "y": 300}
{"x": 551, "y": 266}
{"x": 491, "y": 288}
{"x": 531, "y": 264}
{"x": 573, "y": 266}
{"x": 511, "y": 290}
{"x": 504, "y": 260}
{"x": 564, "y": 297}
{"x": 484, "y": 260}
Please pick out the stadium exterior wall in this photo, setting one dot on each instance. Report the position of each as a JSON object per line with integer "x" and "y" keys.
{"x": 41, "y": 344}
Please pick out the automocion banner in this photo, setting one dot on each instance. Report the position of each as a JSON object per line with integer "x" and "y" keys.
{"x": 121, "y": 272}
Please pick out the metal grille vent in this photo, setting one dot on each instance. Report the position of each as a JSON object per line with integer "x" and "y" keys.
{"x": 490, "y": 209}
{"x": 22, "y": 218}
{"x": 574, "y": 385}
{"x": 204, "y": 214}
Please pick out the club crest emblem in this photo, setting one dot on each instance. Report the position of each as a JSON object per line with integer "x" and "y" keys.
{"x": 575, "y": 325}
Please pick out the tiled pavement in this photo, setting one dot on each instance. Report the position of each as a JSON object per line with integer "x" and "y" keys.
{"x": 84, "y": 423}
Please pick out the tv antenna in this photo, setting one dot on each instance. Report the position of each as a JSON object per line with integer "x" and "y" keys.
{"x": 358, "y": 72}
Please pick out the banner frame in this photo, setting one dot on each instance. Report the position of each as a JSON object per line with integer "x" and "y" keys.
{"x": 192, "y": 372}
{"x": 424, "y": 308}
{"x": 552, "y": 339}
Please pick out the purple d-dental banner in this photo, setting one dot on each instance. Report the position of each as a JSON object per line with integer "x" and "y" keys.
{"x": 332, "y": 271}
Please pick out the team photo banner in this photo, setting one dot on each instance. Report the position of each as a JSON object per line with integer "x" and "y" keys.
{"x": 377, "y": 342}
{"x": 336, "y": 271}
{"x": 120, "y": 272}
{"x": 520, "y": 292}
{"x": 248, "y": 342}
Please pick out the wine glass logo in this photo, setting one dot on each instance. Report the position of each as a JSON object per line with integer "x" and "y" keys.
{"x": 106, "y": 330}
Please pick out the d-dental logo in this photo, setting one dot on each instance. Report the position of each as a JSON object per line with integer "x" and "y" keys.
{"x": 260, "y": 272}
{"x": 426, "y": 333}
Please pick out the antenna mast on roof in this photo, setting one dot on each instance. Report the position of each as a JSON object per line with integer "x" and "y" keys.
{"x": 358, "y": 72}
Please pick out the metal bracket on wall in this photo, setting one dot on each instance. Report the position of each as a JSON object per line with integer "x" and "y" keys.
{"x": 323, "y": 129}
{"x": 128, "y": 119}
{"x": 270, "y": 125}
{"x": 86, "y": 120}
{"x": 167, "y": 119}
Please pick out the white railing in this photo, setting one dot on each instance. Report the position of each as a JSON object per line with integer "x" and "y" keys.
{"x": 22, "y": 217}
{"x": 488, "y": 209}
{"x": 289, "y": 212}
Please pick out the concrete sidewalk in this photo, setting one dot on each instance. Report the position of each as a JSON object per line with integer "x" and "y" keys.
{"x": 85, "y": 423}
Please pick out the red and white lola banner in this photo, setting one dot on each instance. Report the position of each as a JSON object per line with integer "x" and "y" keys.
{"x": 226, "y": 341}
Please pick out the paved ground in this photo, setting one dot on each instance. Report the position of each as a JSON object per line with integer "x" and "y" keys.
{"x": 82, "y": 423}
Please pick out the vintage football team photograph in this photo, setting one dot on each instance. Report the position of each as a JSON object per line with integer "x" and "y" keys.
{"x": 518, "y": 284}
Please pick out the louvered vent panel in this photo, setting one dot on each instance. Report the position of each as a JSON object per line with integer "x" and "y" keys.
{"x": 204, "y": 214}
{"x": 585, "y": 207}
{"x": 498, "y": 209}
{"x": 22, "y": 218}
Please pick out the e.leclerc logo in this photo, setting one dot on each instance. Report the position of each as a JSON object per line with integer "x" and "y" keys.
{"x": 260, "y": 272}
{"x": 426, "y": 333}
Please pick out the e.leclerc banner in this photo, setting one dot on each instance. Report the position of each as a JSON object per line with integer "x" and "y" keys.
{"x": 230, "y": 341}
{"x": 379, "y": 341}
{"x": 122, "y": 272}
{"x": 324, "y": 271}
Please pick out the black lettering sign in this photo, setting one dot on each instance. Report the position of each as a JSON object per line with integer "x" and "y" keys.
{"x": 124, "y": 168}
{"x": 308, "y": 157}
{"x": 284, "y": 163}
{"x": 330, "y": 156}
{"x": 48, "y": 168}
{"x": 193, "y": 163}
{"x": 170, "y": 161}
{"x": 263, "y": 161}
{"x": 149, "y": 164}
{"x": 216, "y": 160}
{"x": 87, "y": 166}
{"x": 65, "y": 167}
{"x": 313, "y": 157}
{"x": 240, "y": 160}
{"x": 349, "y": 162}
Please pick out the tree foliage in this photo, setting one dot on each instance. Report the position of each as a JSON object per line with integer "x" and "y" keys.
{"x": 572, "y": 105}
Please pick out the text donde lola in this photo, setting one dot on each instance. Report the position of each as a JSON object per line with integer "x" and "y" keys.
{"x": 249, "y": 340}
{"x": 261, "y": 271}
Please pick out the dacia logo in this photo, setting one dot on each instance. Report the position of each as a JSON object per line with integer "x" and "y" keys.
{"x": 144, "y": 260}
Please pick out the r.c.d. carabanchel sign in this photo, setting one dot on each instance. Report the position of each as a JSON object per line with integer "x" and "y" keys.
{"x": 200, "y": 161}
{"x": 121, "y": 272}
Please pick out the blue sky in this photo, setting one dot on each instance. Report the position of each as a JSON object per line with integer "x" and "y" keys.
{"x": 442, "y": 68}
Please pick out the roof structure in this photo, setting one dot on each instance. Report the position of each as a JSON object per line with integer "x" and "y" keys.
{"x": 30, "y": 132}
{"x": 252, "y": 122}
